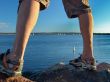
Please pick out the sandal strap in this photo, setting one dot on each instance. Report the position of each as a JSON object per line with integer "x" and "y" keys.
{"x": 8, "y": 52}
{"x": 3, "y": 54}
{"x": 9, "y": 71}
{"x": 10, "y": 62}
{"x": 78, "y": 59}
{"x": 13, "y": 62}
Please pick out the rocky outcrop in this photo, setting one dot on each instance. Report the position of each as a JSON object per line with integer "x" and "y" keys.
{"x": 68, "y": 73}
{"x": 64, "y": 73}
{"x": 103, "y": 66}
{"x": 5, "y": 78}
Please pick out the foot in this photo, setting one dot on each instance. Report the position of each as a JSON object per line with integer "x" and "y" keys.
{"x": 10, "y": 67}
{"x": 85, "y": 64}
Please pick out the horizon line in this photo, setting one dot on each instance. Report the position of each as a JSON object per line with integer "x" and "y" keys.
{"x": 53, "y": 33}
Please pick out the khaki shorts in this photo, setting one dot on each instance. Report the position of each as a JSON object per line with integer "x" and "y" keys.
{"x": 74, "y": 8}
{"x": 43, "y": 3}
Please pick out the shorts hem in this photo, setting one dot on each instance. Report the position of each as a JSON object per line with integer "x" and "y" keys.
{"x": 43, "y": 4}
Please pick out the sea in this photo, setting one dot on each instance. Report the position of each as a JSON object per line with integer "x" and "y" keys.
{"x": 46, "y": 50}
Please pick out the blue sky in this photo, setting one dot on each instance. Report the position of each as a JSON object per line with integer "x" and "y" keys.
{"x": 54, "y": 18}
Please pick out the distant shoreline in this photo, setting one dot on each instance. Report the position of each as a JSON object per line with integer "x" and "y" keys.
{"x": 55, "y": 33}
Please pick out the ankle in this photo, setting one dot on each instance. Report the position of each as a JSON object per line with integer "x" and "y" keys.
{"x": 88, "y": 57}
{"x": 13, "y": 57}
{"x": 87, "y": 54}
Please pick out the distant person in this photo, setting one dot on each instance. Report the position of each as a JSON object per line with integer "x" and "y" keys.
{"x": 11, "y": 62}
{"x": 81, "y": 9}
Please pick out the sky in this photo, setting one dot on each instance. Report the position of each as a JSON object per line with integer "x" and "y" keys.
{"x": 54, "y": 19}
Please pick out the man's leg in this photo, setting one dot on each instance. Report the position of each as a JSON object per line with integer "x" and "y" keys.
{"x": 27, "y": 17}
{"x": 82, "y": 10}
{"x": 86, "y": 27}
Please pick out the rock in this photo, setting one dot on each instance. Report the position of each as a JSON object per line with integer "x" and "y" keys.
{"x": 5, "y": 78}
{"x": 103, "y": 66}
{"x": 68, "y": 73}
{"x": 64, "y": 73}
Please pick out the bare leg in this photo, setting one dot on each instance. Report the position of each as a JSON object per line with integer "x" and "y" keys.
{"x": 86, "y": 27}
{"x": 27, "y": 17}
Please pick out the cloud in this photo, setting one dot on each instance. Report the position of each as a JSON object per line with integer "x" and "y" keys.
{"x": 4, "y": 25}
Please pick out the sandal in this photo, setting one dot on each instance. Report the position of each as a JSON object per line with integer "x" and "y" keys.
{"x": 9, "y": 71}
{"x": 85, "y": 64}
